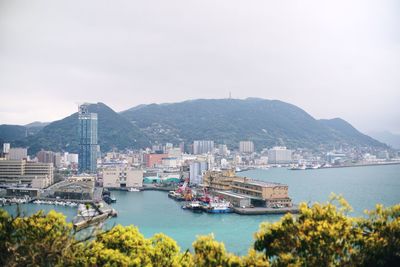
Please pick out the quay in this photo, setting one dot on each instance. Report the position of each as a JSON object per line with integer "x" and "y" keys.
{"x": 266, "y": 211}
{"x": 104, "y": 211}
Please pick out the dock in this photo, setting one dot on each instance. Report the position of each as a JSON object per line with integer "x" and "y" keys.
{"x": 104, "y": 212}
{"x": 266, "y": 211}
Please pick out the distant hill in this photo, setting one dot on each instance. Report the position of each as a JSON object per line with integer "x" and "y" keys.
{"x": 114, "y": 131}
{"x": 10, "y": 133}
{"x": 389, "y": 138}
{"x": 266, "y": 122}
{"x": 344, "y": 131}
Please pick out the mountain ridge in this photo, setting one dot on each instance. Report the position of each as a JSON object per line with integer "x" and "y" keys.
{"x": 266, "y": 122}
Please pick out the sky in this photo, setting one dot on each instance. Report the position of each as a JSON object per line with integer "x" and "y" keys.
{"x": 331, "y": 58}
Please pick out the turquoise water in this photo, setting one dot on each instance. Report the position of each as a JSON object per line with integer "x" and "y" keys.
{"x": 154, "y": 212}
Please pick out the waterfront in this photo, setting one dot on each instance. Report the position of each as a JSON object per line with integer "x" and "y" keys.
{"x": 154, "y": 212}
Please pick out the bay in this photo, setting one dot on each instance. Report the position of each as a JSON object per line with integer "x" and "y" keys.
{"x": 153, "y": 212}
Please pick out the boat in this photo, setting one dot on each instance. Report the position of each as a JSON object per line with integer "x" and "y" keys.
{"x": 194, "y": 206}
{"x": 218, "y": 207}
{"x": 85, "y": 211}
{"x": 133, "y": 189}
{"x": 297, "y": 168}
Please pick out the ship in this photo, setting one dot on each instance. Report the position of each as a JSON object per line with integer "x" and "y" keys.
{"x": 194, "y": 206}
{"x": 218, "y": 207}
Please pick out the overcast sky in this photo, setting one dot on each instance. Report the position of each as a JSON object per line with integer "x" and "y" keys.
{"x": 331, "y": 58}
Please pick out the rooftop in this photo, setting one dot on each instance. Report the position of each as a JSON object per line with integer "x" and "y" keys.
{"x": 260, "y": 183}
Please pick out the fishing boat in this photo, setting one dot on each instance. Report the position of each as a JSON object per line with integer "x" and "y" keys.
{"x": 218, "y": 207}
{"x": 194, "y": 206}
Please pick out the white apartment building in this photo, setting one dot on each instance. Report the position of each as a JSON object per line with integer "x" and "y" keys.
{"x": 246, "y": 147}
{"x": 279, "y": 155}
{"x": 203, "y": 147}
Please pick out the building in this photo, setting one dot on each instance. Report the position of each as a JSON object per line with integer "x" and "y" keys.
{"x": 223, "y": 150}
{"x": 203, "y": 147}
{"x": 196, "y": 171}
{"x": 88, "y": 145}
{"x": 246, "y": 147}
{"x": 170, "y": 162}
{"x": 263, "y": 193}
{"x": 22, "y": 192}
{"x": 220, "y": 180}
{"x": 6, "y": 148}
{"x": 17, "y": 153}
{"x": 49, "y": 157}
{"x": 279, "y": 155}
{"x": 122, "y": 177}
{"x": 37, "y": 175}
{"x": 153, "y": 160}
{"x": 75, "y": 188}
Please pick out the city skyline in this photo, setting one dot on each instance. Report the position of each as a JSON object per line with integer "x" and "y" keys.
{"x": 339, "y": 62}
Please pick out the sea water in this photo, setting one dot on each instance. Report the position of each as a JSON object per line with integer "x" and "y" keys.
{"x": 153, "y": 212}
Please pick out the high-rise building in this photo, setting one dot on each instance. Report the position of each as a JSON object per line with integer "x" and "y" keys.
{"x": 87, "y": 140}
{"x": 279, "y": 155}
{"x": 246, "y": 147}
{"x": 203, "y": 147}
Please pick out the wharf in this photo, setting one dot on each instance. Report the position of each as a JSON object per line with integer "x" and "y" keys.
{"x": 265, "y": 211}
{"x": 104, "y": 211}
{"x": 158, "y": 188}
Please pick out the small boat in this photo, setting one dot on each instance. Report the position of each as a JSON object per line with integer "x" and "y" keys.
{"x": 86, "y": 211}
{"x": 133, "y": 189}
{"x": 194, "y": 206}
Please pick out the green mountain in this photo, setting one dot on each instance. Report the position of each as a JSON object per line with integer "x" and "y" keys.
{"x": 10, "y": 133}
{"x": 114, "y": 131}
{"x": 266, "y": 122}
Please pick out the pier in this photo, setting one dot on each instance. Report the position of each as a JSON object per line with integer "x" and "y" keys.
{"x": 265, "y": 211}
{"x": 103, "y": 210}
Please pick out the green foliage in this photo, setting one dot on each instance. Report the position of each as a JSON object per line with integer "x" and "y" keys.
{"x": 38, "y": 240}
{"x": 320, "y": 235}
{"x": 323, "y": 235}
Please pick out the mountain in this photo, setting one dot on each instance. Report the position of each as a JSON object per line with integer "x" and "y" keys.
{"x": 343, "y": 130}
{"x": 114, "y": 131}
{"x": 37, "y": 124}
{"x": 10, "y": 133}
{"x": 266, "y": 122}
{"x": 388, "y": 138}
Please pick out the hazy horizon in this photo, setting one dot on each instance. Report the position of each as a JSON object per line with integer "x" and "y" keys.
{"x": 337, "y": 59}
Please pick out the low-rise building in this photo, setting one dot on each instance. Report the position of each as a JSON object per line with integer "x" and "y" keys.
{"x": 220, "y": 180}
{"x": 35, "y": 174}
{"x": 122, "y": 177}
{"x": 76, "y": 187}
{"x": 263, "y": 193}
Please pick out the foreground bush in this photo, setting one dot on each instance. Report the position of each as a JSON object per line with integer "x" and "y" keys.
{"x": 321, "y": 235}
